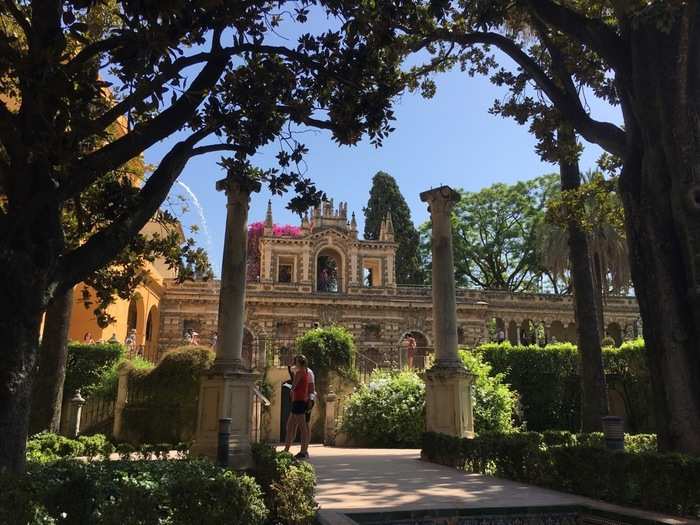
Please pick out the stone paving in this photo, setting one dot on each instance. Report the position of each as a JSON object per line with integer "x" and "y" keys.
{"x": 372, "y": 480}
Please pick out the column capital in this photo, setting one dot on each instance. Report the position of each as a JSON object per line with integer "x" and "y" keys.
{"x": 440, "y": 199}
{"x": 238, "y": 188}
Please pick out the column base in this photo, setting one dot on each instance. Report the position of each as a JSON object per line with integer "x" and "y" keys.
{"x": 448, "y": 401}
{"x": 225, "y": 394}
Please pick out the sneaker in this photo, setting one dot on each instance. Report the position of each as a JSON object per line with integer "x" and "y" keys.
{"x": 301, "y": 455}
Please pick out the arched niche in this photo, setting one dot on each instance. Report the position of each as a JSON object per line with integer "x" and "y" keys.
{"x": 330, "y": 270}
{"x": 152, "y": 332}
{"x": 415, "y": 356}
{"x": 136, "y": 319}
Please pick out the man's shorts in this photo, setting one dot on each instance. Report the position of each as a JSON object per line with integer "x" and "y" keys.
{"x": 298, "y": 407}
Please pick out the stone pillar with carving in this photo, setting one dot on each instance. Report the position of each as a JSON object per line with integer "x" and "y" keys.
{"x": 448, "y": 383}
{"x": 227, "y": 388}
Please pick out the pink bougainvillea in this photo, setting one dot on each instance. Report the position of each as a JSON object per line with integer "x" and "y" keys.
{"x": 255, "y": 232}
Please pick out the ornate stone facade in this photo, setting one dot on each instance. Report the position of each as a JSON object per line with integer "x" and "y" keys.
{"x": 327, "y": 275}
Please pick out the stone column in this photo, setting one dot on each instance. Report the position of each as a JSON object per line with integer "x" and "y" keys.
{"x": 440, "y": 203}
{"x": 229, "y": 344}
{"x": 74, "y": 413}
{"x": 120, "y": 403}
{"x": 227, "y": 388}
{"x": 448, "y": 383}
{"x": 331, "y": 413}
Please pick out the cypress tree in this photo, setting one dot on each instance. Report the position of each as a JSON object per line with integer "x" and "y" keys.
{"x": 384, "y": 197}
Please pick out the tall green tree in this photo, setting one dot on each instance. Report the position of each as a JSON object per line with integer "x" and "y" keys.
{"x": 214, "y": 72}
{"x": 495, "y": 234}
{"x": 385, "y": 197}
{"x": 642, "y": 55}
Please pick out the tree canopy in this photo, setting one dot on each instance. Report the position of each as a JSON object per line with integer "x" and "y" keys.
{"x": 642, "y": 56}
{"x": 385, "y": 197}
{"x": 495, "y": 234}
{"x": 86, "y": 87}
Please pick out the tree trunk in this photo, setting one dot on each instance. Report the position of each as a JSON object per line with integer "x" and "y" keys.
{"x": 20, "y": 318}
{"x": 47, "y": 393}
{"x": 594, "y": 399}
{"x": 660, "y": 187}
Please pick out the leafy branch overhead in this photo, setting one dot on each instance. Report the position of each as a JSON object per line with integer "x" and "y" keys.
{"x": 213, "y": 71}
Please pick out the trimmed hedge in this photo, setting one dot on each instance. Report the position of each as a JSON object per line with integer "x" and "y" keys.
{"x": 288, "y": 486}
{"x": 548, "y": 382}
{"x": 133, "y": 492}
{"x": 163, "y": 407}
{"x": 650, "y": 480}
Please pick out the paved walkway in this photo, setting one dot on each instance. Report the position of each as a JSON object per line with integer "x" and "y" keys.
{"x": 369, "y": 480}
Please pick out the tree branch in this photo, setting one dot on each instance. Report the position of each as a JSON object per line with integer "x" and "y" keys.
{"x": 104, "y": 245}
{"x": 213, "y": 148}
{"x": 19, "y": 17}
{"x": 93, "y": 50}
{"x": 605, "y": 134}
{"x": 593, "y": 33}
{"x": 116, "y": 153}
{"x": 141, "y": 92}
{"x": 146, "y": 88}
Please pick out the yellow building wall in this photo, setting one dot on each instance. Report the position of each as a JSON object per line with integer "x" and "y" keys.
{"x": 146, "y": 299}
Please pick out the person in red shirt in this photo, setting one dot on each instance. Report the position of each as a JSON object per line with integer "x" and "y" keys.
{"x": 300, "y": 400}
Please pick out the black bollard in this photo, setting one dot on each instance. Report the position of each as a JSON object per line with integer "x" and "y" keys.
{"x": 222, "y": 448}
{"x": 614, "y": 431}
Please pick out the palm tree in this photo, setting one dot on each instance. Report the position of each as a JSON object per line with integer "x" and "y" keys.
{"x": 600, "y": 214}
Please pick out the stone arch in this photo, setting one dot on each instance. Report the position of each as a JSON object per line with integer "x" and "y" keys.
{"x": 513, "y": 332}
{"x": 152, "y": 332}
{"x": 415, "y": 357}
{"x": 136, "y": 319}
{"x": 249, "y": 351}
{"x": 613, "y": 330}
{"x": 500, "y": 329}
{"x": 530, "y": 329}
{"x": 329, "y": 264}
{"x": 557, "y": 332}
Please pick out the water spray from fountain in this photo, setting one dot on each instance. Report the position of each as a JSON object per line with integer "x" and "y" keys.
{"x": 200, "y": 212}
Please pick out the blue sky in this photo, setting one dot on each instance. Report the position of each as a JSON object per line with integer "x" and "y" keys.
{"x": 450, "y": 139}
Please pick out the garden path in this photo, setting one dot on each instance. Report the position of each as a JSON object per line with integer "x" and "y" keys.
{"x": 374, "y": 480}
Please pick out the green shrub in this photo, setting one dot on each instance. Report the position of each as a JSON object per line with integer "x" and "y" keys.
{"x": 549, "y": 387}
{"x": 223, "y": 498}
{"x": 578, "y": 464}
{"x": 46, "y": 447}
{"x": 134, "y": 492}
{"x": 164, "y": 408}
{"x": 330, "y": 348}
{"x": 294, "y": 495}
{"x": 182, "y": 367}
{"x": 19, "y": 503}
{"x": 494, "y": 402}
{"x": 86, "y": 364}
{"x": 608, "y": 342}
{"x": 641, "y": 443}
{"x": 106, "y": 386}
{"x": 96, "y": 446}
{"x": 389, "y": 411}
{"x": 288, "y": 486}
{"x": 559, "y": 438}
